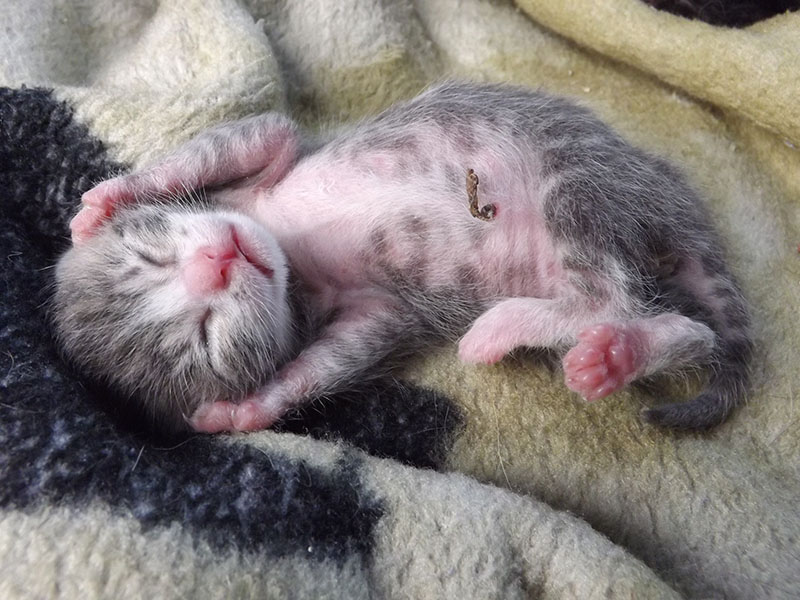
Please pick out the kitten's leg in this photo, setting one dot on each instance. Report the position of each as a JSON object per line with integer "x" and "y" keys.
{"x": 516, "y": 322}
{"x": 266, "y": 145}
{"x": 610, "y": 355}
{"x": 361, "y": 337}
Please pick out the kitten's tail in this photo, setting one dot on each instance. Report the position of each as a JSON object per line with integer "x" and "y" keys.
{"x": 711, "y": 408}
{"x": 730, "y": 363}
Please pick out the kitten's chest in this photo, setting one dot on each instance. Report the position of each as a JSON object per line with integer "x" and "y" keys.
{"x": 347, "y": 229}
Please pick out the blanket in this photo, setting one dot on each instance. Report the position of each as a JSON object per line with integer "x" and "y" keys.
{"x": 446, "y": 481}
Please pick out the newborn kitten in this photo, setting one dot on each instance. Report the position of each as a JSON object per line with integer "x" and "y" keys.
{"x": 583, "y": 245}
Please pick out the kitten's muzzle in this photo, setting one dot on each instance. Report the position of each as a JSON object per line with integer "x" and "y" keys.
{"x": 210, "y": 267}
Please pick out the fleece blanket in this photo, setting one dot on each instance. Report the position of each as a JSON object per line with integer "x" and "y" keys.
{"x": 448, "y": 481}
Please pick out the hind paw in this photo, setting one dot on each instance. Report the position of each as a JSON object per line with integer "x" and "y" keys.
{"x": 604, "y": 360}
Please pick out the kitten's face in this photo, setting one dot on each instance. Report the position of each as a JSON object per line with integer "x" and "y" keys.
{"x": 175, "y": 307}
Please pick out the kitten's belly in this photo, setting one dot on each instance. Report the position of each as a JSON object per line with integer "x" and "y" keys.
{"x": 346, "y": 232}
{"x": 511, "y": 255}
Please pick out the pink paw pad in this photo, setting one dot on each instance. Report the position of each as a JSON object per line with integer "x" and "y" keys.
{"x": 603, "y": 361}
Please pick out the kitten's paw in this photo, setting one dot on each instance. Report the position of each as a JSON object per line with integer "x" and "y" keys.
{"x": 603, "y": 361}
{"x": 253, "y": 416}
{"x": 217, "y": 417}
{"x": 99, "y": 204}
{"x": 214, "y": 417}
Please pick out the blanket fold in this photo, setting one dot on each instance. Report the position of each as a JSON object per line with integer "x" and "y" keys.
{"x": 751, "y": 71}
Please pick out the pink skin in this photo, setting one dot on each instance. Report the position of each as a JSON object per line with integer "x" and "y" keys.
{"x": 607, "y": 357}
{"x": 99, "y": 204}
{"x": 208, "y": 269}
{"x": 516, "y": 322}
{"x": 213, "y": 418}
{"x": 248, "y": 415}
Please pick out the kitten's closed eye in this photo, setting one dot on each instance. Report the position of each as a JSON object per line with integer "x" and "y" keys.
{"x": 156, "y": 262}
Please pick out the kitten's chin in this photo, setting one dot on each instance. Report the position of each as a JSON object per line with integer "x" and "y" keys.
{"x": 250, "y": 341}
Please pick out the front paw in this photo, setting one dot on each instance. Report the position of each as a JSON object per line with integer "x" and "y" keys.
{"x": 214, "y": 417}
{"x": 218, "y": 417}
{"x": 254, "y": 416}
{"x": 99, "y": 204}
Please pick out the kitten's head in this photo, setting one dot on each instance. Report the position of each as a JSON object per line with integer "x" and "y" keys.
{"x": 175, "y": 307}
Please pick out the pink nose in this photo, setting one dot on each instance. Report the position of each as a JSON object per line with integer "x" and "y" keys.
{"x": 209, "y": 269}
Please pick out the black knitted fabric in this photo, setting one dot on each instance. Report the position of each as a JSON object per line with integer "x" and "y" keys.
{"x": 728, "y": 13}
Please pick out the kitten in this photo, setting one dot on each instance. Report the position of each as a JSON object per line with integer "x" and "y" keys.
{"x": 583, "y": 245}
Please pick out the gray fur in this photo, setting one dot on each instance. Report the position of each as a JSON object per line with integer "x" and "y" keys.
{"x": 104, "y": 323}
